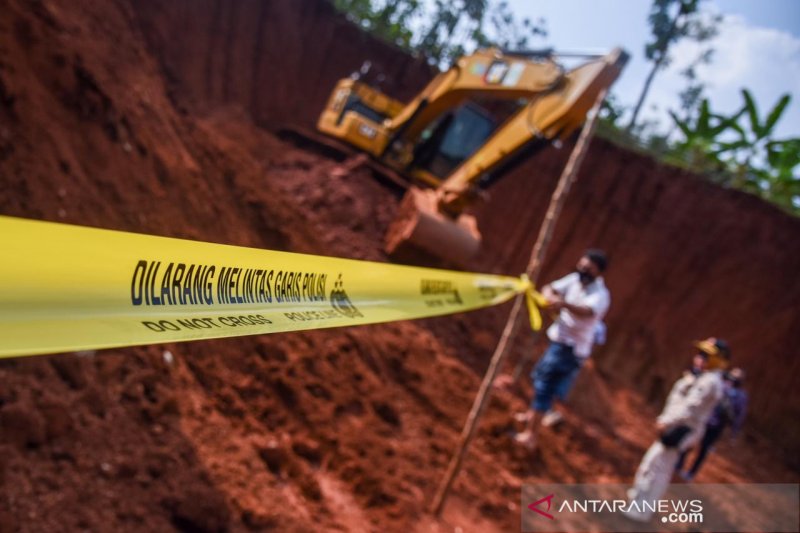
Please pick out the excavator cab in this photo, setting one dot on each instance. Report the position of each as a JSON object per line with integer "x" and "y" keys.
{"x": 445, "y": 143}
{"x": 356, "y": 114}
{"x": 452, "y": 139}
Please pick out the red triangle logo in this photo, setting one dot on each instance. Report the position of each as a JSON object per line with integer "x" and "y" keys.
{"x": 535, "y": 506}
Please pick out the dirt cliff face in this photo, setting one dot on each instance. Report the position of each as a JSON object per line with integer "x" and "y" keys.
{"x": 689, "y": 259}
{"x": 278, "y": 60}
{"x": 142, "y": 116}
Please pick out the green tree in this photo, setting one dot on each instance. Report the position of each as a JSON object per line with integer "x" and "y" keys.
{"x": 760, "y": 163}
{"x": 671, "y": 21}
{"x": 779, "y": 181}
{"x": 611, "y": 111}
{"x": 447, "y": 30}
{"x": 390, "y": 20}
{"x": 691, "y": 96}
{"x": 702, "y": 144}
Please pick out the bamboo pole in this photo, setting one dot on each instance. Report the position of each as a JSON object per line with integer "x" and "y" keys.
{"x": 533, "y": 269}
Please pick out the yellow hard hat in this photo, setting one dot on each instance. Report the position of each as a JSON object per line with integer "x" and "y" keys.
{"x": 717, "y": 351}
{"x": 714, "y": 346}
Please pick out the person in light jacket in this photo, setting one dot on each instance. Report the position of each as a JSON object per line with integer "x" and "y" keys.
{"x": 680, "y": 426}
{"x": 729, "y": 412}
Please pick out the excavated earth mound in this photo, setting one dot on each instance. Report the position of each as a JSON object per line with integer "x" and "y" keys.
{"x": 161, "y": 117}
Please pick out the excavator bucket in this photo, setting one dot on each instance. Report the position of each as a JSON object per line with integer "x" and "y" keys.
{"x": 419, "y": 225}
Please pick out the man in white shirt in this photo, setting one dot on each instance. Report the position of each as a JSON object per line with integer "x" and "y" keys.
{"x": 582, "y": 300}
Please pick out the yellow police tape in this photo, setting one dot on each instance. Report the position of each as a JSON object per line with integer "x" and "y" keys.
{"x": 66, "y": 288}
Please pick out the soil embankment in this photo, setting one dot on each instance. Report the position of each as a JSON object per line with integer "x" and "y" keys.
{"x": 690, "y": 259}
{"x": 150, "y": 117}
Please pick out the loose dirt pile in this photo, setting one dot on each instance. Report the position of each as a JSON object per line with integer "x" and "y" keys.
{"x": 144, "y": 116}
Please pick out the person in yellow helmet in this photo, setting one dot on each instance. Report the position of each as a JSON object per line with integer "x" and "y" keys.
{"x": 680, "y": 426}
{"x": 729, "y": 412}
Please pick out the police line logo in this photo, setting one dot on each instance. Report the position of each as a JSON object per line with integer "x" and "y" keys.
{"x": 341, "y": 302}
{"x": 435, "y": 287}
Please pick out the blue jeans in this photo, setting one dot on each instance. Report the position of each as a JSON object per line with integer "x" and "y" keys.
{"x": 553, "y": 375}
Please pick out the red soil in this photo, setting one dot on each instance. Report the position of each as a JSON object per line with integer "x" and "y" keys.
{"x": 142, "y": 116}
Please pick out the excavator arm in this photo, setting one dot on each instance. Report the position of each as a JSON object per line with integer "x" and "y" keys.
{"x": 553, "y": 114}
{"x": 487, "y": 73}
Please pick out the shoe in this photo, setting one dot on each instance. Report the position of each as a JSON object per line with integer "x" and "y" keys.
{"x": 523, "y": 417}
{"x": 686, "y": 476}
{"x": 631, "y": 513}
{"x": 636, "y": 516}
{"x": 503, "y": 383}
{"x": 552, "y": 418}
{"x": 526, "y": 439}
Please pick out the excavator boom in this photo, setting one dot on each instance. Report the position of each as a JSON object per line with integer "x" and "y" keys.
{"x": 555, "y": 114}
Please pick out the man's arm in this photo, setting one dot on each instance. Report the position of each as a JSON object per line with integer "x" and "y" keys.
{"x": 556, "y": 288}
{"x": 553, "y": 292}
{"x": 556, "y": 302}
{"x": 583, "y": 311}
{"x": 667, "y": 413}
{"x": 702, "y": 392}
{"x": 595, "y": 305}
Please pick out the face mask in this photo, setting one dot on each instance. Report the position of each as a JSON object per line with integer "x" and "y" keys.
{"x": 586, "y": 277}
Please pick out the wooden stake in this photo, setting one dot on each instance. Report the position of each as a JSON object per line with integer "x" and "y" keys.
{"x": 533, "y": 269}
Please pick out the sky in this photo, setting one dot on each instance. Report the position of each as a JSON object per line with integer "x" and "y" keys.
{"x": 758, "y": 47}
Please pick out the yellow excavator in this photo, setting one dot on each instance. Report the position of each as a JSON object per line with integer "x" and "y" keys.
{"x": 461, "y": 131}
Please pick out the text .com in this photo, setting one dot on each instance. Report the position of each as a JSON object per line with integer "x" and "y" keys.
{"x": 682, "y": 518}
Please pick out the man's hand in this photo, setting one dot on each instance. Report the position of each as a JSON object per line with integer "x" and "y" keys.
{"x": 555, "y": 302}
{"x": 660, "y": 427}
{"x": 550, "y": 293}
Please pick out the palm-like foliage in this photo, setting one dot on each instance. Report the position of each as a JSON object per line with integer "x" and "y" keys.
{"x": 744, "y": 156}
